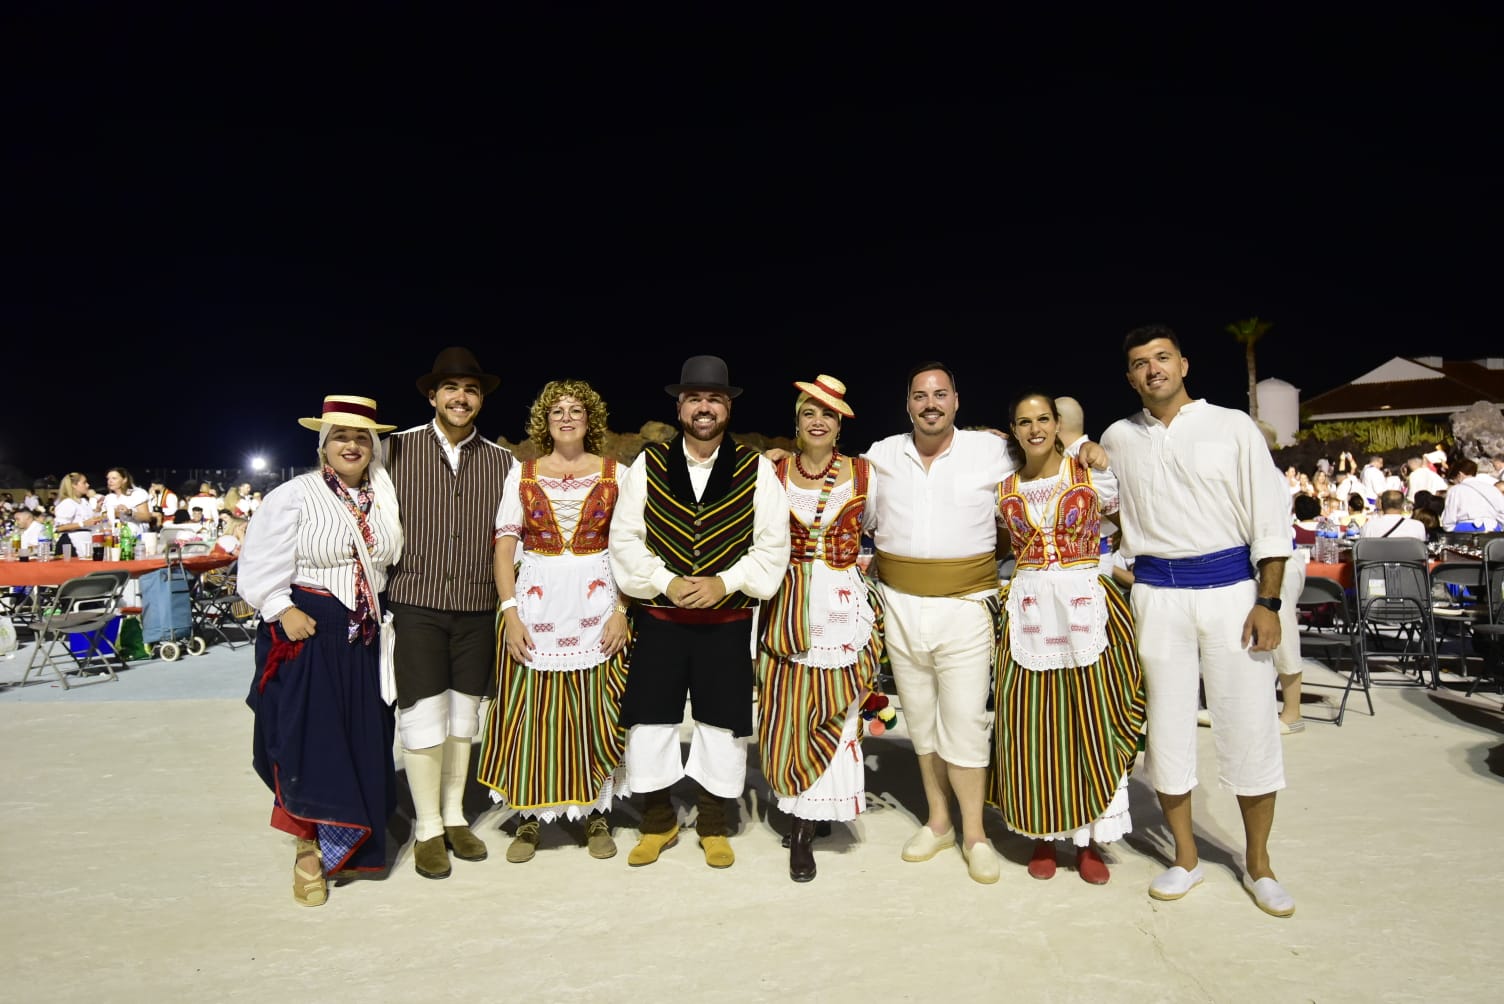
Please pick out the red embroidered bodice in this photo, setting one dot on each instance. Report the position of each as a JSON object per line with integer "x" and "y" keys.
{"x": 540, "y": 530}
{"x": 843, "y": 530}
{"x": 1074, "y": 541}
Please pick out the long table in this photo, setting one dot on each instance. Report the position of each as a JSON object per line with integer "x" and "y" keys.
{"x": 60, "y": 570}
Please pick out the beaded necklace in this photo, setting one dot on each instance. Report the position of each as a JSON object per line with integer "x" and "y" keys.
{"x": 799, "y": 465}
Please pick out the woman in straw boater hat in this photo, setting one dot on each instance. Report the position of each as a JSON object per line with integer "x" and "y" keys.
{"x": 553, "y": 740}
{"x": 821, "y": 640}
{"x": 314, "y": 562}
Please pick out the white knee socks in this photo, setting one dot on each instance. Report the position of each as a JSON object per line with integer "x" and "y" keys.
{"x": 456, "y": 776}
{"x": 424, "y": 771}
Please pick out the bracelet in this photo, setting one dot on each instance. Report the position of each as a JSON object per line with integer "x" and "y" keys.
{"x": 508, "y": 604}
{"x": 621, "y": 608}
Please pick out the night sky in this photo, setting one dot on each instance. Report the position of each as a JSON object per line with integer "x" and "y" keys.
{"x": 210, "y": 224}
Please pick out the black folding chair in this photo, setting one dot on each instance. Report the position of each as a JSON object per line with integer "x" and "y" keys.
{"x": 218, "y": 611}
{"x": 1456, "y": 604}
{"x": 1328, "y": 643}
{"x": 1392, "y": 598}
{"x": 1488, "y": 634}
{"x": 82, "y": 606}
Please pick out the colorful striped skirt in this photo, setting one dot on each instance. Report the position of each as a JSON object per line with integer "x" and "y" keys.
{"x": 1065, "y": 738}
{"x": 553, "y": 739}
{"x": 802, "y": 711}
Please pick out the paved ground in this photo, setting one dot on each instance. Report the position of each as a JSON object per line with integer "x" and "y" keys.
{"x": 141, "y": 868}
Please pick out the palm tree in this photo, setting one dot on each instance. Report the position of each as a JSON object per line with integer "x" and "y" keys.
{"x": 1249, "y": 332}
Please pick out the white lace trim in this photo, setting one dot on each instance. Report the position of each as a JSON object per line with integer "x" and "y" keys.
{"x": 1114, "y": 823}
{"x": 613, "y": 788}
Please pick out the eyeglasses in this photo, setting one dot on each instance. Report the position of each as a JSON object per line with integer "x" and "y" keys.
{"x": 575, "y": 411}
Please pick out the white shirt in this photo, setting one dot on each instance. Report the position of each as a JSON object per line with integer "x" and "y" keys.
{"x": 1204, "y": 483}
{"x": 300, "y": 538}
{"x": 1373, "y": 483}
{"x": 1423, "y": 479}
{"x": 758, "y": 573}
{"x": 1473, "y": 500}
{"x": 31, "y": 502}
{"x": 75, "y": 511}
{"x": 946, "y": 511}
{"x": 1347, "y": 486}
{"x": 1378, "y": 526}
{"x": 131, "y": 499}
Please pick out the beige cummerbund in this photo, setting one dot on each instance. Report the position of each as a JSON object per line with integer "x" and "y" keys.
{"x": 937, "y": 576}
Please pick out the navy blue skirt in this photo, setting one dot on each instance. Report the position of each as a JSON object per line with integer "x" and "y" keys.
{"x": 323, "y": 737}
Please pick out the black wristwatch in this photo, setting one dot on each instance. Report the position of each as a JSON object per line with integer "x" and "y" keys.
{"x": 1268, "y": 603}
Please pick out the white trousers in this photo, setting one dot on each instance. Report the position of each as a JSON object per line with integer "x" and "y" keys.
{"x": 434, "y": 719}
{"x": 1189, "y": 636}
{"x": 1287, "y": 656}
{"x": 717, "y": 759}
{"x": 941, "y": 652}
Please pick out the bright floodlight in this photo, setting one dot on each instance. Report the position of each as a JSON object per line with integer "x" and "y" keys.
{"x": 258, "y": 463}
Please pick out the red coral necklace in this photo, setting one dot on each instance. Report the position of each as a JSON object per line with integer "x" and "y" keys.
{"x": 799, "y": 465}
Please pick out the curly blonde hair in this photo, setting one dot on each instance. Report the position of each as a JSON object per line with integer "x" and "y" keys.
{"x": 595, "y": 409}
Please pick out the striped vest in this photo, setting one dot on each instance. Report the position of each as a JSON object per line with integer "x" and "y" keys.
{"x": 705, "y": 536}
{"x": 449, "y": 520}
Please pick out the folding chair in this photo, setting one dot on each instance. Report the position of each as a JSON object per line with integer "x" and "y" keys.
{"x": 218, "y": 612}
{"x": 1457, "y": 601}
{"x": 1328, "y": 643}
{"x": 1392, "y": 597}
{"x": 85, "y": 605}
{"x": 1488, "y": 635}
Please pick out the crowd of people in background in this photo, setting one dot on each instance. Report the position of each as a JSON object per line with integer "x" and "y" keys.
{"x": 1443, "y": 492}
{"x": 77, "y": 510}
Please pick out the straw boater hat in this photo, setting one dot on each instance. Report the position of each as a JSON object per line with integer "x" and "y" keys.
{"x": 349, "y": 411}
{"x": 703, "y": 373}
{"x": 456, "y": 361}
{"x": 828, "y": 391}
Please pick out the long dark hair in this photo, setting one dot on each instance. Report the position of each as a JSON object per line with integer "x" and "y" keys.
{"x": 1013, "y": 443}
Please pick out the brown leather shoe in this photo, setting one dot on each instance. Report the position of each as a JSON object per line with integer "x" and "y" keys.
{"x": 802, "y": 851}
{"x": 650, "y": 846}
{"x": 430, "y": 858}
{"x": 464, "y": 843}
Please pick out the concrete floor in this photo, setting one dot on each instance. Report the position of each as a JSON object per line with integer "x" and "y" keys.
{"x": 141, "y": 868}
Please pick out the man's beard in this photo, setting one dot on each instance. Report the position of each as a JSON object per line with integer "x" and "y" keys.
{"x": 716, "y": 430}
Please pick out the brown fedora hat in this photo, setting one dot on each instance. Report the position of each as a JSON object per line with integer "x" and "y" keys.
{"x": 703, "y": 373}
{"x": 455, "y": 361}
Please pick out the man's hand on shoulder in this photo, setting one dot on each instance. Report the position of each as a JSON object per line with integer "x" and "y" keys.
{"x": 1093, "y": 455}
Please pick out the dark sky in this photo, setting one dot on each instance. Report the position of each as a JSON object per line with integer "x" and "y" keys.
{"x": 210, "y": 224}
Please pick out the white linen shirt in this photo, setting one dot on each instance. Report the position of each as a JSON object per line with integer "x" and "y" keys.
{"x": 1473, "y": 500}
{"x": 1204, "y": 483}
{"x": 946, "y": 511}
{"x": 758, "y": 573}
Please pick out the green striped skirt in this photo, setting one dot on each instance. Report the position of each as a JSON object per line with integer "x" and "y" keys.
{"x": 553, "y": 738}
{"x": 1064, "y": 738}
{"x": 802, "y": 710}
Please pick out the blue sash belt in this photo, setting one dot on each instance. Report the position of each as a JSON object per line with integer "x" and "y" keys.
{"x": 1205, "y": 571}
{"x": 1466, "y": 527}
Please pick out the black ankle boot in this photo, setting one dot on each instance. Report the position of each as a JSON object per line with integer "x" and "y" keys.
{"x": 822, "y": 829}
{"x": 802, "y": 850}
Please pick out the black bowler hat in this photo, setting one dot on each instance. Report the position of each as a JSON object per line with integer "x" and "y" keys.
{"x": 453, "y": 362}
{"x": 703, "y": 373}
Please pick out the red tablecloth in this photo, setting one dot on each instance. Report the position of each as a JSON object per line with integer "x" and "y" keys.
{"x": 58, "y": 571}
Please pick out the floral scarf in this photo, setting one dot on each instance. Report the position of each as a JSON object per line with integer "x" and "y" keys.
{"x": 363, "y": 617}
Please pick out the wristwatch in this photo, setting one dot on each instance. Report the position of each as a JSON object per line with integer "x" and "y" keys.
{"x": 1268, "y": 603}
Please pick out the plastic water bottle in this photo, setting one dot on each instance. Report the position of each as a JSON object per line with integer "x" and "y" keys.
{"x": 1326, "y": 542}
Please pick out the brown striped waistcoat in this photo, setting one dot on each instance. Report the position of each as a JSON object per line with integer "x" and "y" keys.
{"x": 448, "y": 518}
